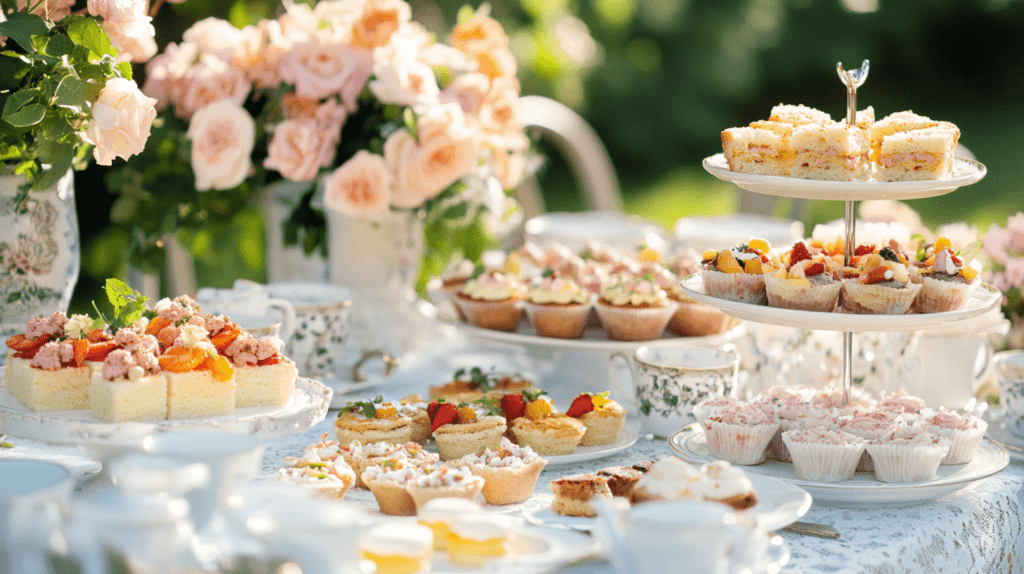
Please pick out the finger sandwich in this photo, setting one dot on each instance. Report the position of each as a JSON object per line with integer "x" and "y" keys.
{"x": 757, "y": 151}
{"x": 903, "y": 122}
{"x": 917, "y": 155}
{"x": 835, "y": 152}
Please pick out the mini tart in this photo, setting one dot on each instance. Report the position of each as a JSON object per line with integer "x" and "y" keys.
{"x": 455, "y": 392}
{"x": 398, "y": 548}
{"x": 824, "y": 455}
{"x": 439, "y": 514}
{"x": 549, "y": 436}
{"x": 509, "y": 473}
{"x": 474, "y": 539}
{"x": 354, "y": 426}
{"x": 410, "y": 453}
{"x": 603, "y": 424}
{"x": 572, "y": 494}
{"x": 444, "y": 482}
{"x": 388, "y": 485}
{"x": 327, "y": 479}
{"x": 455, "y": 440}
{"x": 417, "y": 411}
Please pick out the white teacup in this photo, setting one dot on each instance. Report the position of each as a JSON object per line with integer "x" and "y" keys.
{"x": 260, "y": 315}
{"x": 668, "y": 381}
{"x": 1009, "y": 367}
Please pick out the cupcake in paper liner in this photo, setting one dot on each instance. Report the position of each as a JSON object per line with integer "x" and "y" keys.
{"x": 882, "y": 285}
{"x": 634, "y": 308}
{"x": 824, "y": 455}
{"x": 693, "y": 319}
{"x": 947, "y": 279}
{"x": 939, "y": 295}
{"x": 736, "y": 274}
{"x": 492, "y": 301}
{"x": 712, "y": 406}
{"x": 558, "y": 307}
{"x": 803, "y": 281}
{"x": 868, "y": 425}
{"x": 963, "y": 431}
{"x": 740, "y": 434}
{"x": 908, "y": 454}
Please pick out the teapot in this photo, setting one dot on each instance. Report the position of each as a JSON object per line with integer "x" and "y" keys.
{"x": 682, "y": 536}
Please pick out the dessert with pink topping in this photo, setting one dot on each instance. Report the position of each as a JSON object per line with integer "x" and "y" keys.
{"x": 711, "y": 406}
{"x": 822, "y": 454}
{"x": 558, "y": 306}
{"x": 444, "y": 482}
{"x": 509, "y": 473}
{"x": 263, "y": 376}
{"x": 492, "y": 300}
{"x": 795, "y": 416}
{"x": 963, "y": 431}
{"x": 739, "y": 434}
{"x": 907, "y": 454}
{"x": 46, "y": 368}
{"x": 868, "y": 425}
{"x": 129, "y": 385}
{"x": 902, "y": 403}
{"x": 634, "y": 308}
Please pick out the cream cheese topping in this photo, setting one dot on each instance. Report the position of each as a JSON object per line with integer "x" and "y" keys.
{"x": 494, "y": 286}
{"x": 628, "y": 290}
{"x": 558, "y": 290}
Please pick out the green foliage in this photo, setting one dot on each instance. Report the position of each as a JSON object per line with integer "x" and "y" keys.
{"x": 128, "y": 305}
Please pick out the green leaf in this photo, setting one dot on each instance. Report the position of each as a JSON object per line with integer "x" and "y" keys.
{"x": 19, "y": 100}
{"x": 12, "y": 70}
{"x": 21, "y": 26}
{"x": 129, "y": 305}
{"x": 58, "y": 168}
{"x": 59, "y": 45}
{"x": 88, "y": 33}
{"x": 125, "y": 68}
{"x": 30, "y": 115}
{"x": 70, "y": 93}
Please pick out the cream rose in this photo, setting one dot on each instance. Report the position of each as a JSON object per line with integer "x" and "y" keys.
{"x": 508, "y": 166}
{"x": 53, "y": 10}
{"x": 210, "y": 80}
{"x": 470, "y": 91}
{"x": 360, "y": 188}
{"x": 259, "y": 52}
{"x": 405, "y": 82}
{"x": 223, "y": 135}
{"x": 165, "y": 74}
{"x": 378, "y": 22}
{"x": 447, "y": 150}
{"x": 129, "y": 28}
{"x": 324, "y": 66}
{"x": 121, "y": 119}
{"x": 214, "y": 36}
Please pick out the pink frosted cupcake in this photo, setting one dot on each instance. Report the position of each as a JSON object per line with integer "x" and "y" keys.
{"x": 796, "y": 416}
{"x": 947, "y": 282}
{"x": 492, "y": 301}
{"x": 634, "y": 308}
{"x": 964, "y": 432}
{"x": 907, "y": 454}
{"x": 712, "y": 406}
{"x": 740, "y": 434}
{"x": 903, "y": 404}
{"x": 558, "y": 307}
{"x": 868, "y": 425}
{"x": 824, "y": 455}
{"x": 737, "y": 274}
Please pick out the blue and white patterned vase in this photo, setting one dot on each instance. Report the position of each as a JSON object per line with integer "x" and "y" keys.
{"x": 40, "y": 251}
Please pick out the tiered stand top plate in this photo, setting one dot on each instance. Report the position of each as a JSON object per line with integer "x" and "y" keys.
{"x": 985, "y": 298}
{"x": 965, "y": 172}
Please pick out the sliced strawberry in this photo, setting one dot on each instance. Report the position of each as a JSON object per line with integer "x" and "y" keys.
{"x": 814, "y": 269}
{"x": 441, "y": 414}
{"x": 875, "y": 275}
{"x": 514, "y": 406}
{"x": 798, "y": 254}
{"x": 99, "y": 351}
{"x": 21, "y": 344}
{"x": 581, "y": 405}
{"x": 275, "y": 359}
{"x": 864, "y": 250}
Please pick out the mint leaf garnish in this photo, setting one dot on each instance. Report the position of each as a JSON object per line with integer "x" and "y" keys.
{"x": 128, "y": 305}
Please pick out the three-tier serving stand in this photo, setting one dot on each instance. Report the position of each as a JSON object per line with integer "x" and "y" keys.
{"x": 965, "y": 172}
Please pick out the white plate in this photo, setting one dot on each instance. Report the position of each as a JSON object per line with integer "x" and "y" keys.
{"x": 627, "y": 436}
{"x": 965, "y": 172}
{"x": 985, "y": 298}
{"x": 307, "y": 408}
{"x": 779, "y": 504}
{"x": 862, "y": 489}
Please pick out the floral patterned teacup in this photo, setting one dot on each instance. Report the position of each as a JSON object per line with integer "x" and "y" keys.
{"x": 1009, "y": 367}
{"x": 322, "y": 325}
{"x": 669, "y": 381}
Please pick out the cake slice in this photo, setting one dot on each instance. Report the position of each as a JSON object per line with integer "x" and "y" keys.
{"x": 835, "y": 152}
{"x": 200, "y": 382}
{"x": 799, "y": 115}
{"x": 129, "y": 387}
{"x": 917, "y": 155}
{"x": 263, "y": 376}
{"x": 572, "y": 494}
{"x": 757, "y": 151}
{"x": 62, "y": 389}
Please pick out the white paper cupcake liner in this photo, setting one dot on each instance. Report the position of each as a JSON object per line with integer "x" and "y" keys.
{"x": 940, "y": 296}
{"x": 788, "y": 294}
{"x": 739, "y": 444}
{"x": 742, "y": 287}
{"x": 694, "y": 319}
{"x": 635, "y": 323}
{"x": 499, "y": 315}
{"x": 824, "y": 462}
{"x": 963, "y": 443}
{"x": 777, "y": 449}
{"x": 561, "y": 321}
{"x": 878, "y": 300}
{"x": 907, "y": 463}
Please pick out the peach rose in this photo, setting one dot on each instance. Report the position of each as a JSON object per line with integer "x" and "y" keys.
{"x": 378, "y": 22}
{"x": 508, "y": 166}
{"x": 210, "y": 80}
{"x": 165, "y": 74}
{"x": 53, "y": 10}
{"x": 469, "y": 91}
{"x": 360, "y": 188}
{"x": 447, "y": 150}
{"x": 298, "y": 23}
{"x": 300, "y": 147}
{"x": 121, "y": 119}
{"x": 214, "y": 36}
{"x": 479, "y": 34}
{"x": 259, "y": 52}
{"x": 405, "y": 82}
{"x": 129, "y": 28}
{"x": 497, "y": 63}
{"x": 497, "y": 115}
{"x": 223, "y": 135}
{"x": 322, "y": 67}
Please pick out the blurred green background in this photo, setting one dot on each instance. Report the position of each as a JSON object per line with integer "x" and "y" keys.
{"x": 660, "y": 79}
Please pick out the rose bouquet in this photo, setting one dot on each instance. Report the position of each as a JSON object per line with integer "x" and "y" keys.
{"x": 349, "y": 102}
{"x": 1004, "y": 250}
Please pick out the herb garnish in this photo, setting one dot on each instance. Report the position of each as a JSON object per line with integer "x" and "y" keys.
{"x": 888, "y": 254}
{"x": 129, "y": 306}
{"x": 369, "y": 408}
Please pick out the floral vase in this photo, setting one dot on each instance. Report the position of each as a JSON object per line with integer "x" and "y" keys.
{"x": 287, "y": 263}
{"x": 39, "y": 251}
{"x": 380, "y": 262}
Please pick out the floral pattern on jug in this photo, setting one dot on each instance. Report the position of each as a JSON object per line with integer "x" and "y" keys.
{"x": 674, "y": 394}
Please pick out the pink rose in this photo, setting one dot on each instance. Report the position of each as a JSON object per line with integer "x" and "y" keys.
{"x": 210, "y": 80}
{"x": 129, "y": 28}
{"x": 1015, "y": 225}
{"x": 121, "y": 119}
{"x": 447, "y": 150}
{"x": 995, "y": 242}
{"x": 300, "y": 147}
{"x": 360, "y": 188}
{"x": 497, "y": 116}
{"x": 214, "y": 36}
{"x": 258, "y": 54}
{"x": 469, "y": 91}
{"x": 323, "y": 66}
{"x": 405, "y": 82}
{"x": 223, "y": 135}
{"x": 1015, "y": 273}
{"x": 53, "y": 10}
{"x": 165, "y": 74}
{"x": 378, "y": 22}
